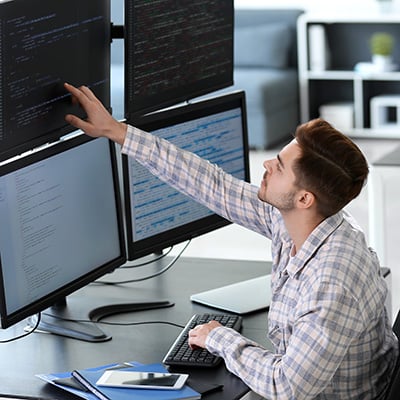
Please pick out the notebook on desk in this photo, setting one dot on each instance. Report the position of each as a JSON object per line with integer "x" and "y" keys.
{"x": 240, "y": 298}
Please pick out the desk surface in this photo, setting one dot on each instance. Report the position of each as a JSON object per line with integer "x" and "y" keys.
{"x": 146, "y": 343}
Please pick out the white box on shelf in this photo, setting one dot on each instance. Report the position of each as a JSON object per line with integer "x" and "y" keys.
{"x": 340, "y": 115}
{"x": 381, "y": 115}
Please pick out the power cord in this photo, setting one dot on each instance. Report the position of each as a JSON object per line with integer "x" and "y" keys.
{"x": 31, "y": 330}
{"x": 165, "y": 269}
{"x": 116, "y": 323}
{"x": 160, "y": 257}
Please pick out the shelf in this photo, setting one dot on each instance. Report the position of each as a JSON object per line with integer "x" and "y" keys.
{"x": 352, "y": 75}
{"x": 386, "y": 133}
{"x": 333, "y": 46}
{"x": 330, "y": 74}
{"x": 361, "y": 18}
{"x": 382, "y": 76}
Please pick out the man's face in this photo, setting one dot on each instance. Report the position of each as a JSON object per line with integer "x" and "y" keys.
{"x": 278, "y": 183}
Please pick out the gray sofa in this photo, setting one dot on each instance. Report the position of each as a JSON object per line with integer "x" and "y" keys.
{"x": 266, "y": 68}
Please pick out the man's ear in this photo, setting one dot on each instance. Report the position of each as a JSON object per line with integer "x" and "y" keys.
{"x": 305, "y": 199}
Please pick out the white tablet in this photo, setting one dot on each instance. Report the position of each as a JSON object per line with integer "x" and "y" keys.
{"x": 142, "y": 380}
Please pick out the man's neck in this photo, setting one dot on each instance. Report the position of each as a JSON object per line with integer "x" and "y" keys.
{"x": 300, "y": 225}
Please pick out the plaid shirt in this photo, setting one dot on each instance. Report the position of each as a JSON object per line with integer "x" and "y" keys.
{"x": 327, "y": 321}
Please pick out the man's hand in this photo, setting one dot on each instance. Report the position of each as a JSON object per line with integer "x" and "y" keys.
{"x": 198, "y": 335}
{"x": 99, "y": 121}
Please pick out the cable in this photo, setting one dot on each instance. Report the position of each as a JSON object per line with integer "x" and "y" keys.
{"x": 147, "y": 262}
{"x": 142, "y": 323}
{"x": 25, "y": 334}
{"x": 165, "y": 269}
{"x": 115, "y": 323}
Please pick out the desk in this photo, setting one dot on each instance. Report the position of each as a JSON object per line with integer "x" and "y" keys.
{"x": 44, "y": 353}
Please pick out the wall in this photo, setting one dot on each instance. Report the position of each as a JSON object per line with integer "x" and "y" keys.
{"x": 345, "y": 6}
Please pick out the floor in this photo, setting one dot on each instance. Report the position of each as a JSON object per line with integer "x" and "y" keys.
{"x": 381, "y": 223}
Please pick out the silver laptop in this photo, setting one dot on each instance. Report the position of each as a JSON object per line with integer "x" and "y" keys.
{"x": 240, "y": 298}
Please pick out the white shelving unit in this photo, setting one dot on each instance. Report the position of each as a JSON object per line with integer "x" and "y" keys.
{"x": 346, "y": 41}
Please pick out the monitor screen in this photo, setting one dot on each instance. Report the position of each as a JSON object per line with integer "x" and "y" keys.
{"x": 157, "y": 215}
{"x": 61, "y": 224}
{"x": 44, "y": 43}
{"x": 176, "y": 51}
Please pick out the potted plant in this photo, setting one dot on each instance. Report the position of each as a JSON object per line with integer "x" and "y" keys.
{"x": 381, "y": 45}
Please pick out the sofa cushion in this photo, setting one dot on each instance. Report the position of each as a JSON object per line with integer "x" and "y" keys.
{"x": 267, "y": 89}
{"x": 262, "y": 45}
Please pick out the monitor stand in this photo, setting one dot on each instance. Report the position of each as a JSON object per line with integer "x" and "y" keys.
{"x": 240, "y": 298}
{"x": 87, "y": 331}
{"x": 59, "y": 321}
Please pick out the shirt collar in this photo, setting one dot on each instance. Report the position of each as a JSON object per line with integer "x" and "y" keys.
{"x": 314, "y": 242}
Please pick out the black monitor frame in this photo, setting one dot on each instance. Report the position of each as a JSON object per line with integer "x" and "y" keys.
{"x": 187, "y": 47}
{"x": 45, "y": 43}
{"x": 57, "y": 296}
{"x": 157, "y": 243}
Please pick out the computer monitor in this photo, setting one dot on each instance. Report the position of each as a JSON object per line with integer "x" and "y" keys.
{"x": 43, "y": 44}
{"x": 176, "y": 51}
{"x": 157, "y": 215}
{"x": 61, "y": 228}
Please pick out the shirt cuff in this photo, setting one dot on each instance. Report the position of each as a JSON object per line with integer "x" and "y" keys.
{"x": 222, "y": 340}
{"x": 130, "y": 142}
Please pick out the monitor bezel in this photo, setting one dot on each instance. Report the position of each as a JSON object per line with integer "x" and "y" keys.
{"x": 157, "y": 243}
{"x": 184, "y": 93}
{"x": 39, "y": 305}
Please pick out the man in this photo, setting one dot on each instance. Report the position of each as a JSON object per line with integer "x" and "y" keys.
{"x": 327, "y": 321}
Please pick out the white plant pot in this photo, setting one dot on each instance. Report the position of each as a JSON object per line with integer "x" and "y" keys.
{"x": 382, "y": 63}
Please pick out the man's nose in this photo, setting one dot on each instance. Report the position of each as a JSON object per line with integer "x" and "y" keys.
{"x": 267, "y": 165}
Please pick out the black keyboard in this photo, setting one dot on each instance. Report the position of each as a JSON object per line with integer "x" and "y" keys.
{"x": 180, "y": 353}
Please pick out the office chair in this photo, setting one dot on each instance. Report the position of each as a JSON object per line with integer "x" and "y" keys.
{"x": 394, "y": 392}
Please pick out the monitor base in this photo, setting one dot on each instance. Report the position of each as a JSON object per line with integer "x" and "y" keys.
{"x": 87, "y": 331}
{"x": 99, "y": 313}
{"x": 59, "y": 321}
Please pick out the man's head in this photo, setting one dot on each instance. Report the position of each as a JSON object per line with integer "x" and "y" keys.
{"x": 330, "y": 166}
{"x": 321, "y": 168}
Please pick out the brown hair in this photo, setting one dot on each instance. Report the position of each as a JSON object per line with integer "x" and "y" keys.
{"x": 331, "y": 166}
